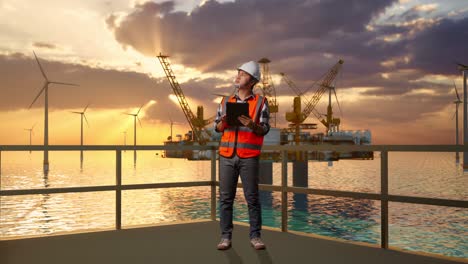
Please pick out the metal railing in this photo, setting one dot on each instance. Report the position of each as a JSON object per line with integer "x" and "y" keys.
{"x": 384, "y": 197}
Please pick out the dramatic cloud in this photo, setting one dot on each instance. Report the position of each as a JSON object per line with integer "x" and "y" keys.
{"x": 44, "y": 45}
{"x": 301, "y": 38}
{"x": 437, "y": 49}
{"x": 218, "y": 36}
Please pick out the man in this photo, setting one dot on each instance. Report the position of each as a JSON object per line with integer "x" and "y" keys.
{"x": 239, "y": 152}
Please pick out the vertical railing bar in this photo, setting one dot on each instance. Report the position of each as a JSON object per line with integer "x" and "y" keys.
{"x": 213, "y": 184}
{"x": 284, "y": 193}
{"x": 118, "y": 191}
{"x": 0, "y": 169}
{"x": 384, "y": 198}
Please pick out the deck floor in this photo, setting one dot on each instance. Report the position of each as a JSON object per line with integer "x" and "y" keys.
{"x": 194, "y": 243}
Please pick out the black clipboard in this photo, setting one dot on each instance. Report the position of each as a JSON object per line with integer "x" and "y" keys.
{"x": 234, "y": 110}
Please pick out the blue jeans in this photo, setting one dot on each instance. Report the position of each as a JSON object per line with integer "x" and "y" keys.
{"x": 229, "y": 171}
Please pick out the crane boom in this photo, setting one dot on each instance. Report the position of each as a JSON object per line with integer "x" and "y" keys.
{"x": 324, "y": 85}
{"x": 163, "y": 59}
{"x": 291, "y": 84}
{"x": 293, "y": 87}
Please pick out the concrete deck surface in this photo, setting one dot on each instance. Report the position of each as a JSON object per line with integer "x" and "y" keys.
{"x": 195, "y": 243}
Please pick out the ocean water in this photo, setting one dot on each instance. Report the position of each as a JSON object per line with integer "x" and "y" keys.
{"x": 433, "y": 229}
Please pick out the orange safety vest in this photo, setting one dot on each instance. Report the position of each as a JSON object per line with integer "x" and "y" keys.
{"x": 242, "y": 139}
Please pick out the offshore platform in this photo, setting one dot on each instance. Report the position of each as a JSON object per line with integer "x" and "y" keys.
{"x": 297, "y": 133}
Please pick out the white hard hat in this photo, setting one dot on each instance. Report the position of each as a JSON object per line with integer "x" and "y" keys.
{"x": 251, "y": 68}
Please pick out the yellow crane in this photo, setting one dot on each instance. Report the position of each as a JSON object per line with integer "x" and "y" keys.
{"x": 197, "y": 123}
{"x": 298, "y": 116}
{"x": 297, "y": 110}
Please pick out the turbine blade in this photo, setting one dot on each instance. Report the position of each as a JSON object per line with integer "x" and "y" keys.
{"x": 62, "y": 83}
{"x": 40, "y": 67}
{"x": 40, "y": 92}
{"x": 461, "y": 65}
{"x": 86, "y": 107}
{"x": 33, "y": 126}
{"x": 453, "y": 115}
{"x": 139, "y": 121}
{"x": 75, "y": 112}
{"x": 86, "y": 119}
{"x": 139, "y": 109}
{"x": 456, "y": 91}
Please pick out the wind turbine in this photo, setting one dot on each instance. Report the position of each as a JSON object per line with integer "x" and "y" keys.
{"x": 45, "y": 89}
{"x": 81, "y": 141}
{"x": 172, "y": 123}
{"x": 30, "y": 133}
{"x": 457, "y": 104}
{"x": 135, "y": 117}
{"x": 464, "y": 69}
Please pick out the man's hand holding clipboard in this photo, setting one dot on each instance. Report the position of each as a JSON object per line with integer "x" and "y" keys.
{"x": 237, "y": 114}
{"x": 246, "y": 121}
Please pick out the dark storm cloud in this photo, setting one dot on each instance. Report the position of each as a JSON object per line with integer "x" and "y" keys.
{"x": 409, "y": 108}
{"x": 105, "y": 89}
{"x": 22, "y": 80}
{"x": 433, "y": 44}
{"x": 109, "y": 89}
{"x": 436, "y": 49}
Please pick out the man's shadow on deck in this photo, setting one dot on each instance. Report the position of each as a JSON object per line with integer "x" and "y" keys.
{"x": 262, "y": 255}
{"x": 232, "y": 256}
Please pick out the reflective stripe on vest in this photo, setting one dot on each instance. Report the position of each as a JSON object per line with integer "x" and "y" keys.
{"x": 242, "y": 139}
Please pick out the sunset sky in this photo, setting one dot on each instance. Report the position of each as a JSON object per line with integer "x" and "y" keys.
{"x": 397, "y": 79}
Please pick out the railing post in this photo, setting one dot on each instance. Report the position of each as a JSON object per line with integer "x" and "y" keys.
{"x": 284, "y": 192}
{"x": 118, "y": 190}
{"x": 213, "y": 184}
{"x": 0, "y": 169}
{"x": 384, "y": 198}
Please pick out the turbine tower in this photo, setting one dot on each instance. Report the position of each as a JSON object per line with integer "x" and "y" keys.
{"x": 83, "y": 115}
{"x": 30, "y": 133}
{"x": 464, "y": 69}
{"x": 457, "y": 104}
{"x": 135, "y": 117}
{"x": 45, "y": 89}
